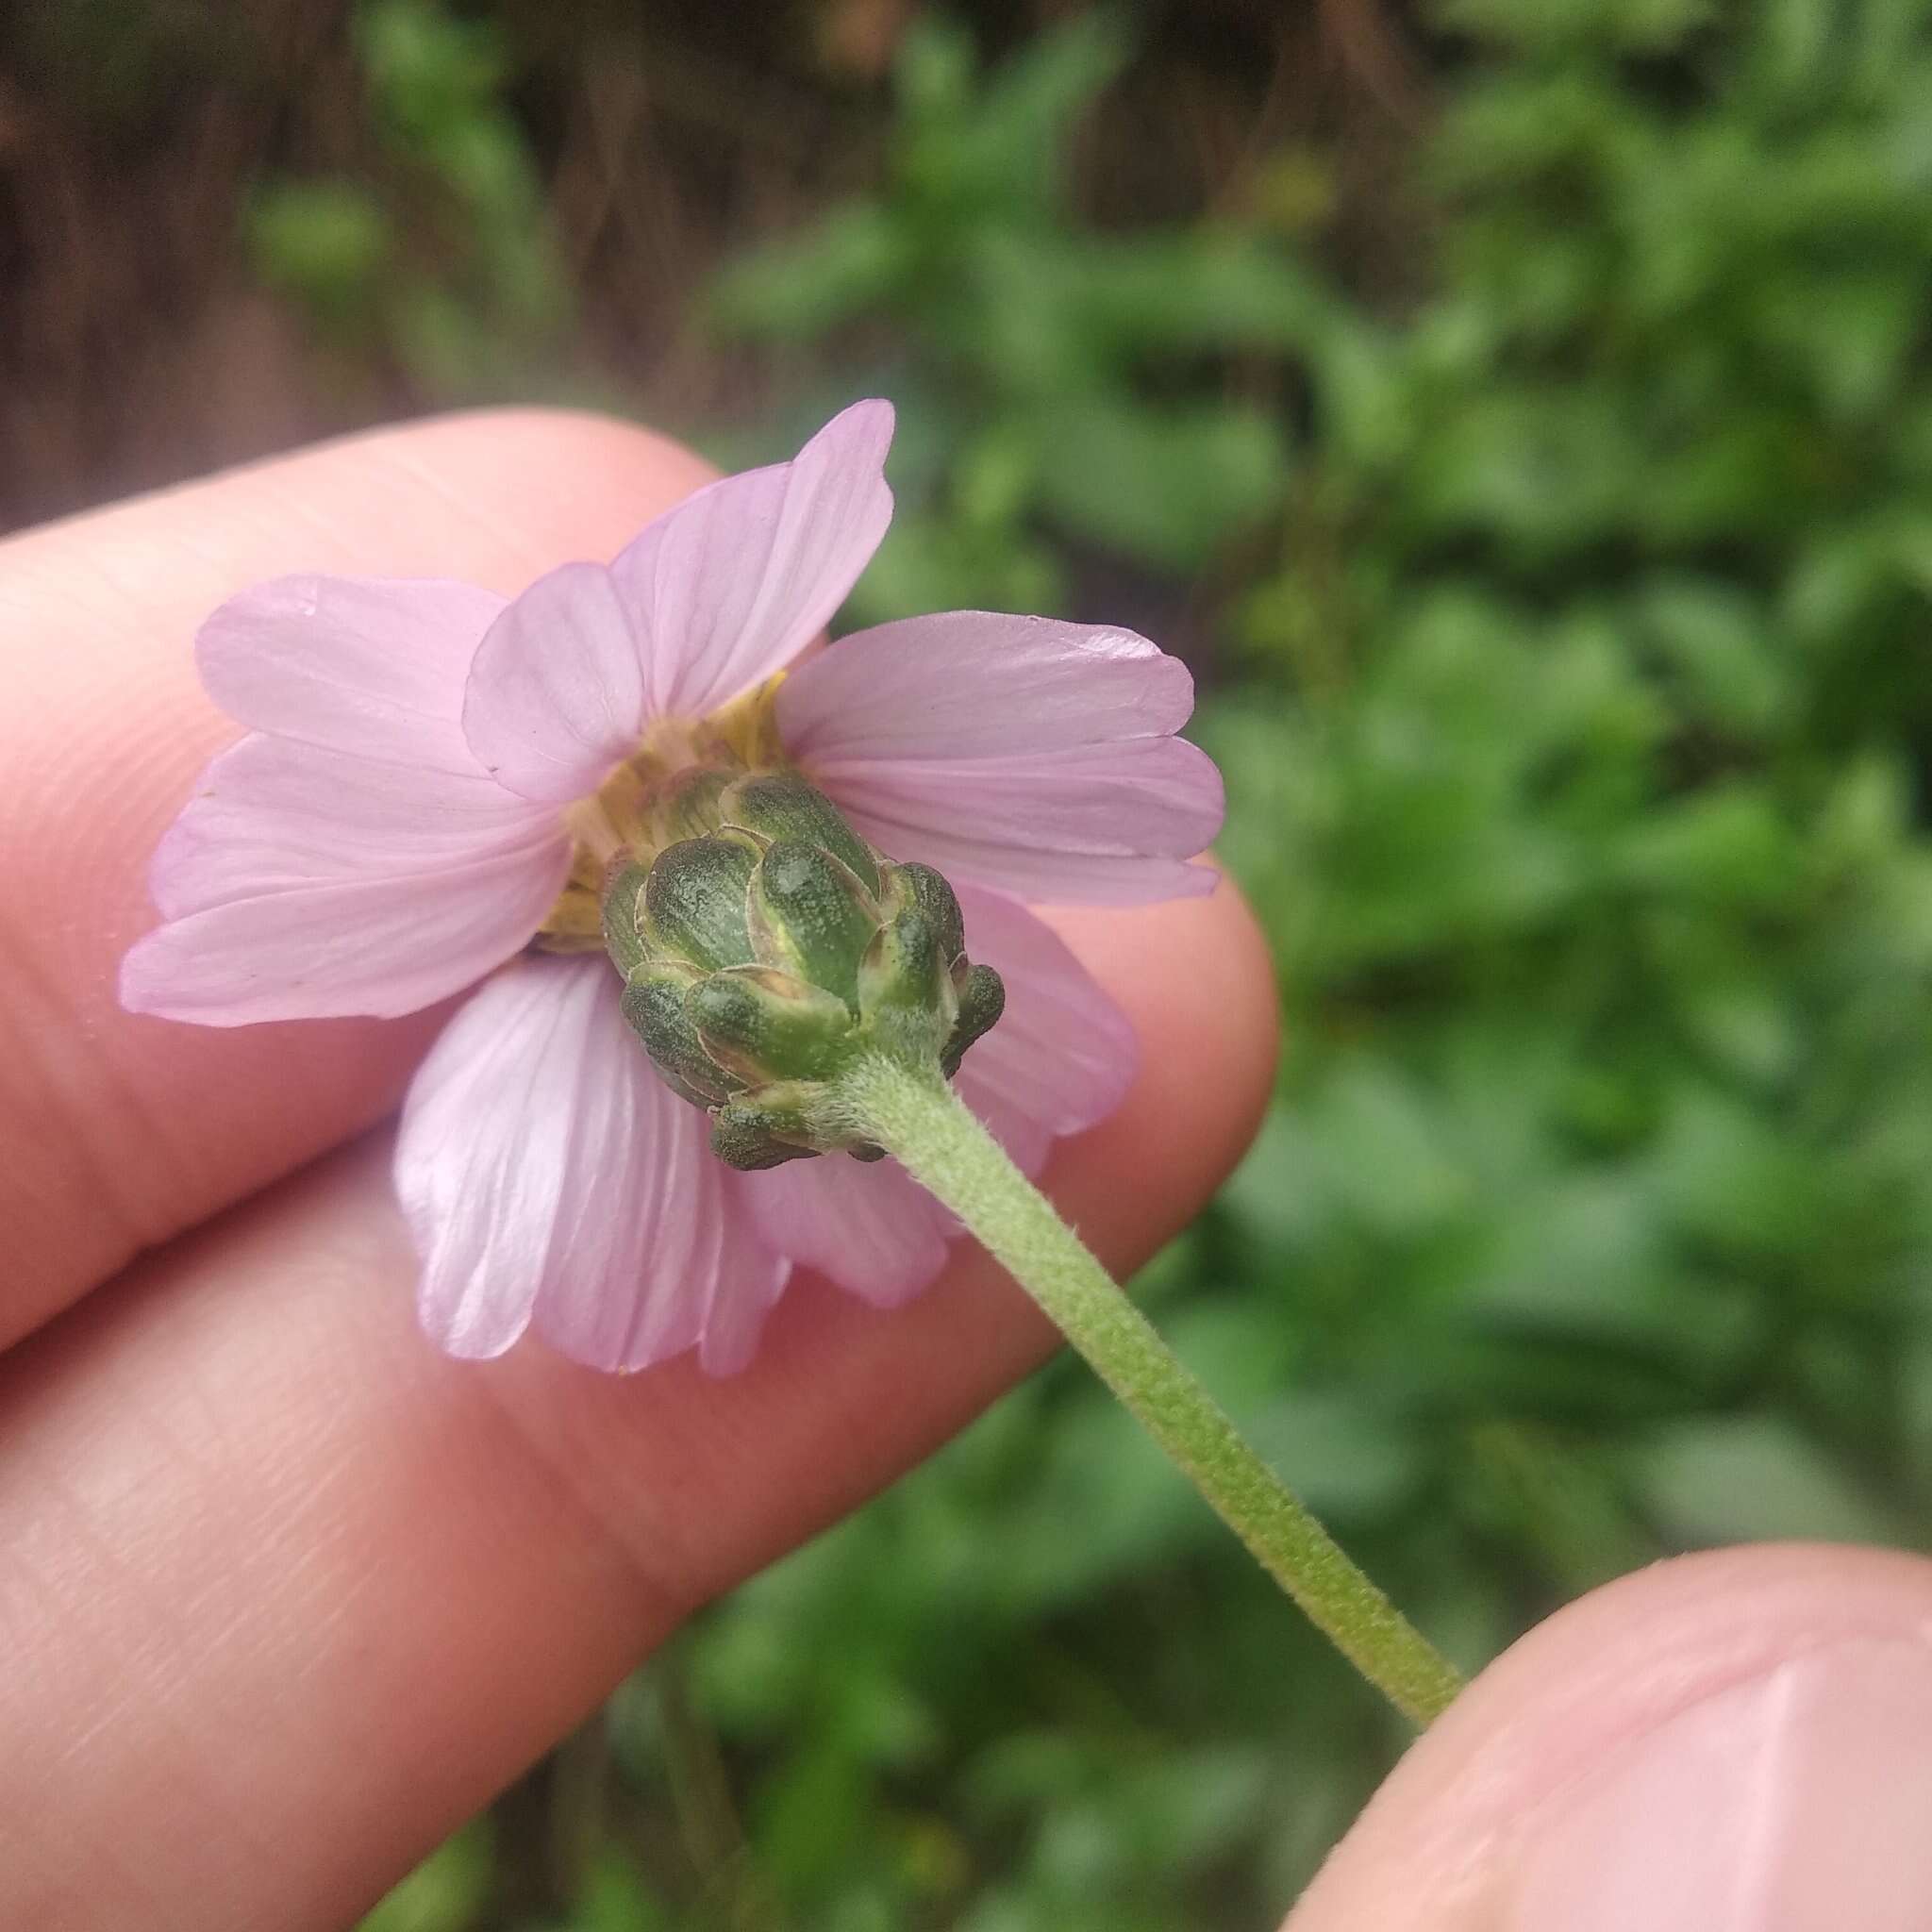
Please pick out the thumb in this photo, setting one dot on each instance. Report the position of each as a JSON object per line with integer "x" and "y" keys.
{"x": 1736, "y": 1742}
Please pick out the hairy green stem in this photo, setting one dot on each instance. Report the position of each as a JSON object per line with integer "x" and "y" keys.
{"x": 918, "y": 1118}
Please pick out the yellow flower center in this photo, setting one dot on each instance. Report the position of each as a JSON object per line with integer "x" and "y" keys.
{"x": 634, "y": 809}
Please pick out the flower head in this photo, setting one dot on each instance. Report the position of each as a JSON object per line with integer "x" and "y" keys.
{"x": 432, "y": 791}
{"x": 766, "y": 956}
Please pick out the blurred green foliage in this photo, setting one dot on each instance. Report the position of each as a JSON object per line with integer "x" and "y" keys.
{"x": 1563, "y": 637}
{"x": 1031, "y": 357}
{"x": 441, "y": 258}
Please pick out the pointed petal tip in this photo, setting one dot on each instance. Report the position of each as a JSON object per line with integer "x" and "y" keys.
{"x": 471, "y": 1342}
{"x": 869, "y": 420}
{"x": 1197, "y": 879}
{"x": 158, "y": 982}
{"x": 135, "y": 988}
{"x": 734, "y": 582}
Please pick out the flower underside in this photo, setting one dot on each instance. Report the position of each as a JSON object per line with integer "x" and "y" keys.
{"x": 764, "y": 944}
{"x": 435, "y": 784}
{"x": 766, "y": 948}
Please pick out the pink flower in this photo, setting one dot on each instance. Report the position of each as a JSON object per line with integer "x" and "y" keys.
{"x": 426, "y": 767}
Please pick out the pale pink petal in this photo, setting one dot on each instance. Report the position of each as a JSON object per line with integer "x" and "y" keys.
{"x": 981, "y": 684}
{"x": 1027, "y": 1140}
{"x": 550, "y": 1177}
{"x": 750, "y": 1277}
{"x": 380, "y": 946}
{"x": 349, "y": 856}
{"x": 557, "y": 693}
{"x": 372, "y": 666}
{"x": 1031, "y": 756}
{"x": 1085, "y": 827}
{"x": 302, "y": 882}
{"x": 272, "y": 815}
{"x": 1063, "y": 1055}
{"x": 867, "y": 1226}
{"x": 729, "y": 587}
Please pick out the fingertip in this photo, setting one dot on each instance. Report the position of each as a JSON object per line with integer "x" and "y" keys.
{"x": 1659, "y": 1694}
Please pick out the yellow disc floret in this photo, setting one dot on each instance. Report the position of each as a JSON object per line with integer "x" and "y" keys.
{"x": 646, "y": 803}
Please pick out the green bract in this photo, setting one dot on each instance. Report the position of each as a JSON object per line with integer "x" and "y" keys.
{"x": 770, "y": 949}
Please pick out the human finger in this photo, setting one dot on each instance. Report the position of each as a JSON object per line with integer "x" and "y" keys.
{"x": 300, "y": 1594}
{"x": 1738, "y": 1741}
{"x": 118, "y": 1130}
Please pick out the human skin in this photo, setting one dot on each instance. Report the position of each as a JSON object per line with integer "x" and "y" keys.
{"x": 299, "y": 1592}
{"x": 285, "y": 1594}
{"x": 1734, "y": 1742}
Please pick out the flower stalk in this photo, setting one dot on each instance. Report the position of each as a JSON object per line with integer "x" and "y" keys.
{"x": 816, "y": 999}
{"x": 913, "y": 1113}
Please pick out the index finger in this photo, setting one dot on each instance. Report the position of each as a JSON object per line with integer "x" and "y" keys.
{"x": 116, "y": 1130}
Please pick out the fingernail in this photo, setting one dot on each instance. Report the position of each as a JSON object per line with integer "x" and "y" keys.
{"x": 1793, "y": 1801}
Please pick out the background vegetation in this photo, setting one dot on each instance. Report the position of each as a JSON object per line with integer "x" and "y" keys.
{"x": 1519, "y": 411}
